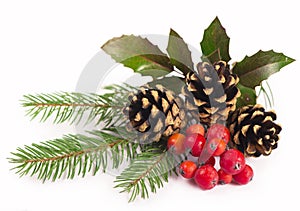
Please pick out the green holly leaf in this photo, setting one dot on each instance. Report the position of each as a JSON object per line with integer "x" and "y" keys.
{"x": 215, "y": 43}
{"x": 155, "y": 73}
{"x": 258, "y": 67}
{"x": 214, "y": 56}
{"x": 139, "y": 54}
{"x": 179, "y": 53}
{"x": 248, "y": 96}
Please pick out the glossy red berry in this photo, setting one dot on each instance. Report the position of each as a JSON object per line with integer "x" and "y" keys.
{"x": 232, "y": 161}
{"x": 187, "y": 169}
{"x": 176, "y": 143}
{"x": 196, "y": 128}
{"x": 216, "y": 147}
{"x": 211, "y": 161}
{"x": 206, "y": 177}
{"x": 224, "y": 178}
{"x": 218, "y": 131}
{"x": 244, "y": 176}
{"x": 195, "y": 142}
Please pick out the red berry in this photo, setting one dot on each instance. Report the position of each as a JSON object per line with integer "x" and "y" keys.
{"x": 232, "y": 161}
{"x": 196, "y": 128}
{"x": 176, "y": 143}
{"x": 224, "y": 178}
{"x": 221, "y": 147}
{"x": 218, "y": 131}
{"x": 195, "y": 142}
{"x": 206, "y": 177}
{"x": 216, "y": 147}
{"x": 187, "y": 169}
{"x": 244, "y": 176}
{"x": 211, "y": 161}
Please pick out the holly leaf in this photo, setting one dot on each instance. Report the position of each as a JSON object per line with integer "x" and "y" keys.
{"x": 179, "y": 52}
{"x": 155, "y": 73}
{"x": 258, "y": 67}
{"x": 248, "y": 96}
{"x": 214, "y": 56}
{"x": 172, "y": 83}
{"x": 215, "y": 43}
{"x": 139, "y": 54}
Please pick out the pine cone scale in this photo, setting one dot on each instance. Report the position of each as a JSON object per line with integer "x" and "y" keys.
{"x": 221, "y": 99}
{"x": 251, "y": 149}
{"x": 165, "y": 105}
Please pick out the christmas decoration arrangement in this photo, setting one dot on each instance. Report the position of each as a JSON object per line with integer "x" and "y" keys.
{"x": 201, "y": 123}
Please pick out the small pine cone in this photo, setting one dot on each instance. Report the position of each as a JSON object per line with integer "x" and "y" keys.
{"x": 211, "y": 93}
{"x": 155, "y": 112}
{"x": 253, "y": 130}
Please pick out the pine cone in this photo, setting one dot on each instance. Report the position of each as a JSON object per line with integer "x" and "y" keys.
{"x": 253, "y": 130}
{"x": 211, "y": 93}
{"x": 154, "y": 112}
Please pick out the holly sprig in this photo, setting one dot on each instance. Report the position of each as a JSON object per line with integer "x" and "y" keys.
{"x": 150, "y": 165}
{"x": 252, "y": 70}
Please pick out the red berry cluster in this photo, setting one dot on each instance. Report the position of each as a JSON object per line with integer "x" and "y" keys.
{"x": 205, "y": 147}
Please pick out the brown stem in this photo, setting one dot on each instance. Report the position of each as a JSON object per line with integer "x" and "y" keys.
{"x": 72, "y": 105}
{"x": 72, "y": 154}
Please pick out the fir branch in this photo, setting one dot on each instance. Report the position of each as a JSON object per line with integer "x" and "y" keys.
{"x": 72, "y": 155}
{"x": 147, "y": 172}
{"x": 76, "y": 107}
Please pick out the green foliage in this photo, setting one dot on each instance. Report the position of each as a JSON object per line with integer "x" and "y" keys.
{"x": 76, "y": 155}
{"x": 77, "y": 107}
{"x": 147, "y": 172}
{"x": 248, "y": 96}
{"x": 253, "y": 70}
{"x": 179, "y": 53}
{"x": 72, "y": 155}
{"x": 139, "y": 54}
{"x": 215, "y": 43}
{"x": 258, "y": 67}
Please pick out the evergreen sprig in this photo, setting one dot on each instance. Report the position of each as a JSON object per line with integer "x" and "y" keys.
{"x": 147, "y": 172}
{"x": 73, "y": 155}
{"x": 75, "y": 107}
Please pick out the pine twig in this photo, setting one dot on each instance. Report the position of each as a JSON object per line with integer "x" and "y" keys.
{"x": 76, "y": 107}
{"x": 147, "y": 172}
{"x": 72, "y": 154}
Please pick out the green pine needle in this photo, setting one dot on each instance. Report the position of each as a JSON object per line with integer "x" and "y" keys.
{"x": 72, "y": 155}
{"x": 267, "y": 94}
{"x": 147, "y": 172}
{"x": 76, "y": 107}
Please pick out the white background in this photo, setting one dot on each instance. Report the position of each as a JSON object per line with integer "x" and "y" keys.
{"x": 44, "y": 46}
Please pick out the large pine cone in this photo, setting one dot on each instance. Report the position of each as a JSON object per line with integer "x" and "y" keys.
{"x": 154, "y": 112}
{"x": 211, "y": 93}
{"x": 253, "y": 130}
